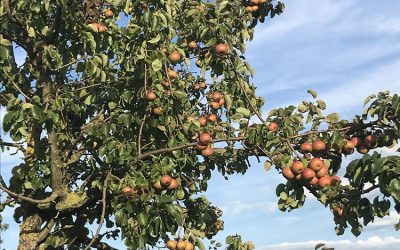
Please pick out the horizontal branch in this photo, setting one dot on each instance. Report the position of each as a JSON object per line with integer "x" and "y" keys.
{"x": 349, "y": 128}
{"x": 47, "y": 200}
{"x": 353, "y": 193}
{"x": 12, "y": 144}
{"x": 188, "y": 145}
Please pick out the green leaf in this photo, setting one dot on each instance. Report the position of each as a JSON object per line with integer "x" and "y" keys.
{"x": 312, "y": 93}
{"x": 191, "y": 12}
{"x": 180, "y": 94}
{"x": 93, "y": 27}
{"x": 126, "y": 8}
{"x": 321, "y": 104}
{"x": 332, "y": 118}
{"x": 180, "y": 194}
{"x": 267, "y": 165}
{"x": 283, "y": 195}
{"x": 200, "y": 244}
{"x": 112, "y": 105}
{"x": 142, "y": 219}
{"x": 156, "y": 65}
{"x": 368, "y": 99}
{"x": 358, "y": 176}
{"x": 27, "y": 105}
{"x": 7, "y": 120}
{"x": 323, "y": 198}
{"x": 4, "y": 42}
{"x": 31, "y": 32}
{"x": 37, "y": 113}
{"x": 245, "y": 112}
{"x": 394, "y": 188}
{"x": 155, "y": 39}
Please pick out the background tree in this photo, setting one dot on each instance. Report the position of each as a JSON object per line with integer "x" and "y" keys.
{"x": 123, "y": 109}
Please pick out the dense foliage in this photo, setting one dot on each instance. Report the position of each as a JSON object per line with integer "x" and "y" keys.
{"x": 123, "y": 110}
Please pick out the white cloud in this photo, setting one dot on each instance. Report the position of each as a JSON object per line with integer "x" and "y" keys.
{"x": 238, "y": 207}
{"x": 372, "y": 243}
{"x": 298, "y": 14}
{"x": 351, "y": 95}
{"x": 330, "y": 46}
{"x": 385, "y": 223}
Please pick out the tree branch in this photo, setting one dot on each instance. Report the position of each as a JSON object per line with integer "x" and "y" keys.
{"x": 76, "y": 156}
{"x": 351, "y": 194}
{"x": 350, "y": 127}
{"x": 56, "y": 165}
{"x": 16, "y": 85}
{"x": 46, "y": 230}
{"x": 167, "y": 150}
{"x": 103, "y": 212}
{"x": 292, "y": 148}
{"x": 139, "y": 140}
{"x": 52, "y": 32}
{"x": 313, "y": 191}
{"x": 12, "y": 144}
{"x": 245, "y": 94}
{"x": 47, "y": 200}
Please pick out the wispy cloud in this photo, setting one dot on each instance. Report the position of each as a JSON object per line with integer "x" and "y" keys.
{"x": 350, "y": 95}
{"x": 372, "y": 243}
{"x": 329, "y": 46}
{"x": 386, "y": 223}
{"x": 237, "y": 207}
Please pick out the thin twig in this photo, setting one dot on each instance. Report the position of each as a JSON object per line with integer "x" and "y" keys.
{"x": 292, "y": 148}
{"x": 15, "y": 85}
{"x": 139, "y": 141}
{"x": 90, "y": 86}
{"x": 71, "y": 63}
{"x": 266, "y": 153}
{"x": 103, "y": 211}
{"x": 85, "y": 182}
{"x": 145, "y": 70}
{"x": 115, "y": 177}
{"x": 245, "y": 94}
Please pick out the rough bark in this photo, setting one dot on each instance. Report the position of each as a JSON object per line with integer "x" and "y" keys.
{"x": 29, "y": 232}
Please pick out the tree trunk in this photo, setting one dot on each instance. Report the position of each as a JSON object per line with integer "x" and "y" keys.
{"x": 29, "y": 231}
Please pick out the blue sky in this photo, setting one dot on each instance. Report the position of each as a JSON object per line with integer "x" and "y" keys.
{"x": 345, "y": 50}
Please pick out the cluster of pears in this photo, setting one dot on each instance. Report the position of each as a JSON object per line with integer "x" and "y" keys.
{"x": 108, "y": 13}
{"x": 362, "y": 145}
{"x": 166, "y": 183}
{"x": 315, "y": 172}
{"x": 253, "y": 5}
{"x": 216, "y": 100}
{"x": 132, "y": 191}
{"x": 203, "y": 144}
{"x": 180, "y": 245}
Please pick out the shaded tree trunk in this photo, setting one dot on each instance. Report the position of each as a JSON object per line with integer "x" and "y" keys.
{"x": 29, "y": 232}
